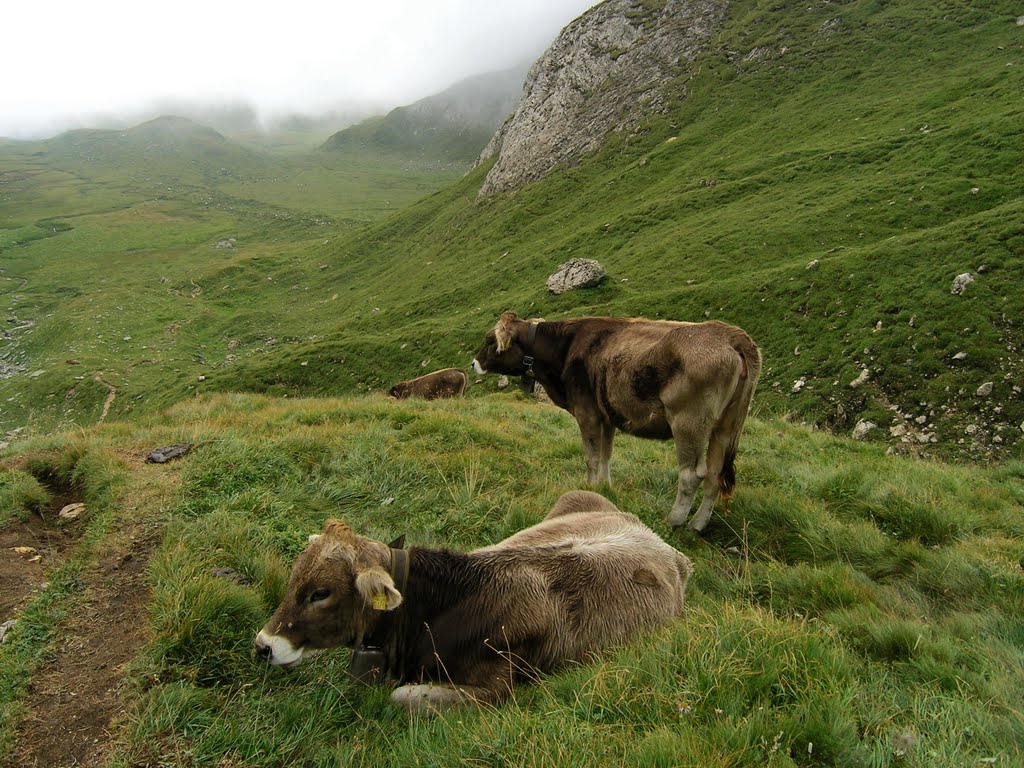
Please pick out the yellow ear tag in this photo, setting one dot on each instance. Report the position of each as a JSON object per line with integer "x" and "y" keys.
{"x": 380, "y": 602}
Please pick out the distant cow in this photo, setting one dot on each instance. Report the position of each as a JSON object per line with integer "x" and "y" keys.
{"x": 692, "y": 382}
{"x": 450, "y": 382}
{"x": 458, "y": 627}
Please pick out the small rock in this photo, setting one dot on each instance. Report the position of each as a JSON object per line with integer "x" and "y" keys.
{"x": 200, "y": 378}
{"x": 985, "y": 389}
{"x": 913, "y": 321}
{"x": 903, "y": 742}
{"x": 861, "y": 378}
{"x": 161, "y": 455}
{"x": 862, "y": 429}
{"x": 503, "y": 382}
{"x": 975, "y": 190}
{"x": 735, "y": 552}
{"x": 230, "y": 243}
{"x": 878, "y": 326}
{"x": 812, "y": 264}
{"x": 960, "y": 356}
{"x": 799, "y": 384}
{"x": 960, "y": 283}
{"x": 971, "y": 429}
{"x": 232, "y": 575}
{"x": 71, "y": 512}
{"x": 25, "y": 551}
{"x": 6, "y": 627}
{"x": 921, "y": 419}
{"x": 575, "y": 274}
{"x": 1020, "y": 21}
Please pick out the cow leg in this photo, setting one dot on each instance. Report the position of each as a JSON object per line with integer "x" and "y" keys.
{"x": 605, "y": 454}
{"x": 590, "y": 431}
{"x": 707, "y": 505}
{"x": 431, "y": 698}
{"x": 712, "y": 488}
{"x": 691, "y": 440}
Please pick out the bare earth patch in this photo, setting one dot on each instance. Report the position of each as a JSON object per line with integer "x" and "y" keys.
{"x": 74, "y": 696}
{"x": 27, "y": 551}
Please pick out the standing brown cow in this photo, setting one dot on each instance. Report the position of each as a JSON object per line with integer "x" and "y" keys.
{"x": 450, "y": 382}
{"x": 691, "y": 382}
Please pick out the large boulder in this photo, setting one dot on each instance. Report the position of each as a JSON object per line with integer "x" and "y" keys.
{"x": 576, "y": 273}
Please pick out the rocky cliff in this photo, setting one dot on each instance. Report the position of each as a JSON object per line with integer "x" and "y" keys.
{"x": 606, "y": 71}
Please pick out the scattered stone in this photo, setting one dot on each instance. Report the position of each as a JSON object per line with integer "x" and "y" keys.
{"x": 960, "y": 283}
{"x": 229, "y": 243}
{"x": 812, "y": 264}
{"x": 975, "y": 190}
{"x": 861, "y": 378}
{"x": 735, "y": 552}
{"x": 903, "y": 743}
{"x": 878, "y": 326}
{"x": 862, "y": 429}
{"x": 541, "y": 396}
{"x": 799, "y": 384}
{"x": 200, "y": 378}
{"x": 1020, "y": 21}
{"x": 971, "y": 429}
{"x": 921, "y": 419}
{"x": 72, "y": 362}
{"x": 165, "y": 454}
{"x": 503, "y": 382}
{"x": 913, "y": 321}
{"x": 232, "y": 575}
{"x": 575, "y": 274}
{"x": 960, "y": 356}
{"x": 71, "y": 511}
{"x": 6, "y": 627}
{"x": 985, "y": 389}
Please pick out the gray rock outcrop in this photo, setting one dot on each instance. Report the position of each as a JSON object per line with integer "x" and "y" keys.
{"x": 606, "y": 72}
{"x": 574, "y": 274}
{"x": 960, "y": 283}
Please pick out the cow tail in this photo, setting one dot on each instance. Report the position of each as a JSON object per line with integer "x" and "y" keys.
{"x": 750, "y": 359}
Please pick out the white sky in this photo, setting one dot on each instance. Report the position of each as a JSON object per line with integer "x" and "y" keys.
{"x": 63, "y": 61}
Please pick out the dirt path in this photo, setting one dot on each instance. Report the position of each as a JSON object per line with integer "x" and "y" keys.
{"x": 76, "y": 696}
{"x": 111, "y": 394}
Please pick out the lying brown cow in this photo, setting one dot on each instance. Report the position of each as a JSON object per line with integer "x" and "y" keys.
{"x": 455, "y": 627}
{"x": 692, "y": 382}
{"x": 450, "y": 382}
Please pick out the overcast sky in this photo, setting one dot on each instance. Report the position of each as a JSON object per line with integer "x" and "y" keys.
{"x": 64, "y": 61}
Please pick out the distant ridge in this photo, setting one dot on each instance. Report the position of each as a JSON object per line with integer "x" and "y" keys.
{"x": 451, "y": 126}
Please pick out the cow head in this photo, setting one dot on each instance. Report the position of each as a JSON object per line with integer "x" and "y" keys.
{"x": 502, "y": 351}
{"x": 338, "y": 588}
{"x": 399, "y": 391}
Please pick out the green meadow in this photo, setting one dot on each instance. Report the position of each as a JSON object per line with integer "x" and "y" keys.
{"x": 819, "y": 179}
{"x": 850, "y": 608}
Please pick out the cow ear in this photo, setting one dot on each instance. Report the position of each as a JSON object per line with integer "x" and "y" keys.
{"x": 378, "y": 589}
{"x": 505, "y": 330}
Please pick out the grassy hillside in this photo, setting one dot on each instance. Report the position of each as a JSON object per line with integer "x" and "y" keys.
{"x": 869, "y": 613}
{"x": 451, "y": 127}
{"x": 877, "y": 141}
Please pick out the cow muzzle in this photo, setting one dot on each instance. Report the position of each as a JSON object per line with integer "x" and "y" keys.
{"x": 477, "y": 367}
{"x": 276, "y": 650}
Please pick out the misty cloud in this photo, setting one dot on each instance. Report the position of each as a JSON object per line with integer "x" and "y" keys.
{"x": 74, "y": 63}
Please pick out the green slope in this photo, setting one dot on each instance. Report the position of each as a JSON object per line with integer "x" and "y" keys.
{"x": 869, "y": 613}
{"x": 883, "y": 143}
{"x": 881, "y": 140}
